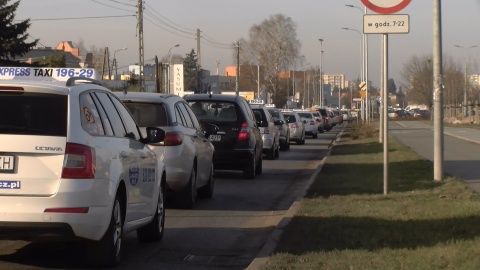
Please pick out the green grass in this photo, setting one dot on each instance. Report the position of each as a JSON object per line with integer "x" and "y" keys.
{"x": 346, "y": 222}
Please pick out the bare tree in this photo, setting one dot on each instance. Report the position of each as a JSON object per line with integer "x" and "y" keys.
{"x": 419, "y": 73}
{"x": 273, "y": 45}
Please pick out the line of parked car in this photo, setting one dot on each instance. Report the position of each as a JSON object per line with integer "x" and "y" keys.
{"x": 78, "y": 161}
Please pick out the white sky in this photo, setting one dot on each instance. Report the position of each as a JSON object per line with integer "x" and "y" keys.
{"x": 225, "y": 22}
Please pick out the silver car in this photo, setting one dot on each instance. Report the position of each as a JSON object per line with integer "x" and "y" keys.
{"x": 186, "y": 150}
{"x": 311, "y": 127}
{"x": 296, "y": 126}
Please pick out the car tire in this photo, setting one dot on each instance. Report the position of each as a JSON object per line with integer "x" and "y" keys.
{"x": 303, "y": 140}
{"x": 107, "y": 251}
{"x": 249, "y": 170}
{"x": 271, "y": 153}
{"x": 322, "y": 130}
{"x": 189, "y": 194}
{"x": 277, "y": 151}
{"x": 315, "y": 136}
{"x": 259, "y": 167}
{"x": 207, "y": 190}
{"x": 153, "y": 232}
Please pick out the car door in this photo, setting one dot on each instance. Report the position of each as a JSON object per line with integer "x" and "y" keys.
{"x": 134, "y": 163}
{"x": 202, "y": 146}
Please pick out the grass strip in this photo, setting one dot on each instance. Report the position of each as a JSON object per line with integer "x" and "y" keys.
{"x": 345, "y": 221}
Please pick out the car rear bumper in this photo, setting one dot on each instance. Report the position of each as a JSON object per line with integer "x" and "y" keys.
{"x": 233, "y": 159}
{"x": 26, "y": 217}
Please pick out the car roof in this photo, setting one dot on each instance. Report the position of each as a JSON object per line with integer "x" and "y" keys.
{"x": 214, "y": 97}
{"x": 146, "y": 97}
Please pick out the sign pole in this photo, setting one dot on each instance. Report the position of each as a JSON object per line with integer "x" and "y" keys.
{"x": 385, "y": 114}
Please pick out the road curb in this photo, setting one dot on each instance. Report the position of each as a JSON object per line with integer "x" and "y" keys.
{"x": 270, "y": 245}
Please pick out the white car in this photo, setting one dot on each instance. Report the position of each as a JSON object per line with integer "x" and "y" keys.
{"x": 311, "y": 127}
{"x": 73, "y": 163}
{"x": 186, "y": 150}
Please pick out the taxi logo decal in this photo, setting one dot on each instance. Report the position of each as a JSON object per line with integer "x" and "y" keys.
{"x": 133, "y": 174}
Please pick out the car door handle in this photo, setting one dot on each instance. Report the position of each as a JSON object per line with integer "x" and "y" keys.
{"x": 123, "y": 154}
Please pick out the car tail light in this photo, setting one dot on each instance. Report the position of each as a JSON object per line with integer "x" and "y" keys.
{"x": 78, "y": 210}
{"x": 79, "y": 161}
{"x": 10, "y": 88}
{"x": 294, "y": 125}
{"x": 244, "y": 133}
{"x": 173, "y": 139}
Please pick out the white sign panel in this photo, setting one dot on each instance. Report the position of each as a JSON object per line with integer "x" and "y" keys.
{"x": 386, "y": 24}
{"x": 46, "y": 73}
{"x": 178, "y": 80}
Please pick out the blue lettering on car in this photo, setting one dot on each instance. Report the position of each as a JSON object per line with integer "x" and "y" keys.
{"x": 7, "y": 184}
{"x": 133, "y": 174}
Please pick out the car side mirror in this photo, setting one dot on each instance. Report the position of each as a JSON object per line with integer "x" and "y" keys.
{"x": 210, "y": 129}
{"x": 154, "y": 135}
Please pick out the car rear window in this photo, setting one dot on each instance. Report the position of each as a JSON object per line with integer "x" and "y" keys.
{"x": 290, "y": 118}
{"x": 306, "y": 115}
{"x": 217, "y": 111}
{"x": 148, "y": 114}
{"x": 33, "y": 114}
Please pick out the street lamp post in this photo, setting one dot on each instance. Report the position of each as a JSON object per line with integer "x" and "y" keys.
{"x": 115, "y": 64}
{"x": 365, "y": 61}
{"x": 362, "y": 69}
{"x": 304, "y": 77}
{"x": 465, "y": 81}
{"x": 320, "y": 96}
{"x": 169, "y": 66}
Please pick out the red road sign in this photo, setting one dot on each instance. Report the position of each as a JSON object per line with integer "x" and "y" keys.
{"x": 386, "y": 6}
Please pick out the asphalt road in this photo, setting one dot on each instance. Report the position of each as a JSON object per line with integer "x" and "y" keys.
{"x": 461, "y": 148}
{"x": 225, "y": 232}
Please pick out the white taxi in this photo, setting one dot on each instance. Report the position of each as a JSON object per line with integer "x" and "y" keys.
{"x": 73, "y": 163}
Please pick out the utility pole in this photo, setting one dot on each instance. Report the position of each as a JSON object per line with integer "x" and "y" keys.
{"x": 199, "y": 82}
{"x": 106, "y": 62}
{"x": 140, "y": 45}
{"x": 237, "y": 46}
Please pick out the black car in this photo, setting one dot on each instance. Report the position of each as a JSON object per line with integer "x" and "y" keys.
{"x": 238, "y": 143}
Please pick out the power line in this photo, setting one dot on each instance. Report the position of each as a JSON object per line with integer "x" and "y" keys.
{"x": 82, "y": 18}
{"x": 189, "y": 29}
{"x": 113, "y": 6}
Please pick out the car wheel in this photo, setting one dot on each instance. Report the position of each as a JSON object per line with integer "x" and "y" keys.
{"x": 322, "y": 130}
{"x": 271, "y": 152}
{"x": 277, "y": 151}
{"x": 315, "y": 136}
{"x": 189, "y": 194}
{"x": 207, "y": 191}
{"x": 259, "y": 167}
{"x": 283, "y": 146}
{"x": 288, "y": 143}
{"x": 303, "y": 140}
{"x": 249, "y": 170}
{"x": 154, "y": 230}
{"x": 107, "y": 251}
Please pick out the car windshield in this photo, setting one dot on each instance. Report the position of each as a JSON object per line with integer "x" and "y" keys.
{"x": 214, "y": 111}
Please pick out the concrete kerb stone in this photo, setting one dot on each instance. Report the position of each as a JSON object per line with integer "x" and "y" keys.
{"x": 272, "y": 241}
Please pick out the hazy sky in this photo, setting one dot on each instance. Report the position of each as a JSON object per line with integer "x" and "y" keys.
{"x": 223, "y": 22}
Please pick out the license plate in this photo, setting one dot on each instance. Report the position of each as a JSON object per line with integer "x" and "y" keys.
{"x": 215, "y": 138}
{"x": 7, "y": 164}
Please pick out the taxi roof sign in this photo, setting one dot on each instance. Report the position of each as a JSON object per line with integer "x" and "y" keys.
{"x": 256, "y": 102}
{"x": 46, "y": 73}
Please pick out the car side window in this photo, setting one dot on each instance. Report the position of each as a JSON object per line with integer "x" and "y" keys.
{"x": 90, "y": 117}
{"x": 186, "y": 116}
{"x": 112, "y": 115}
{"x": 249, "y": 111}
{"x": 193, "y": 117}
{"x": 130, "y": 124}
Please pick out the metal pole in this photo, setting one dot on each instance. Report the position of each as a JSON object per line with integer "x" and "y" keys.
{"x": 438, "y": 147}
{"x": 385, "y": 113}
{"x": 321, "y": 73}
{"x": 365, "y": 68}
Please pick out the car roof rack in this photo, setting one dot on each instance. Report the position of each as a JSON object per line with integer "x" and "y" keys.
{"x": 72, "y": 81}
